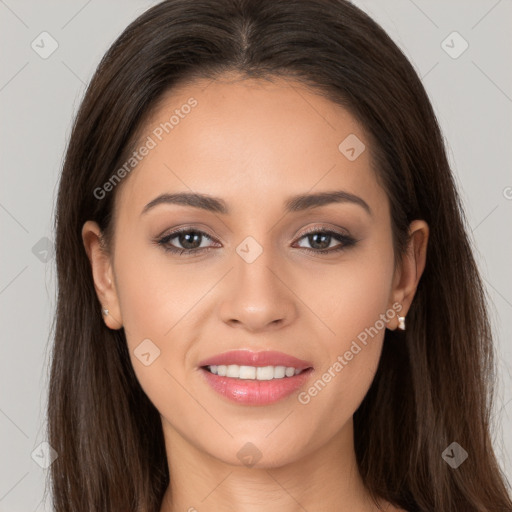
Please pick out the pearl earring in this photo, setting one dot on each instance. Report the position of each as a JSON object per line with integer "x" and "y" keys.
{"x": 105, "y": 311}
{"x": 401, "y": 323}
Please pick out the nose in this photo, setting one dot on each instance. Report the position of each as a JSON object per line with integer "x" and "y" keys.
{"x": 257, "y": 296}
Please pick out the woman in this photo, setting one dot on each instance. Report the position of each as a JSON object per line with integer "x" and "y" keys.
{"x": 267, "y": 296}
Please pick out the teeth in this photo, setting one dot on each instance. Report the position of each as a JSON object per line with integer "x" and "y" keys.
{"x": 253, "y": 372}
{"x": 243, "y": 372}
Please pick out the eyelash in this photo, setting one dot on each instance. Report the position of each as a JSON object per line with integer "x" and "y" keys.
{"x": 346, "y": 241}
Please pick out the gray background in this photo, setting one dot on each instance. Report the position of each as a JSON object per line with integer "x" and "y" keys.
{"x": 471, "y": 94}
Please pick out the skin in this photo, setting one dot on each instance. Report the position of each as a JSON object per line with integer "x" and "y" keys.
{"x": 254, "y": 144}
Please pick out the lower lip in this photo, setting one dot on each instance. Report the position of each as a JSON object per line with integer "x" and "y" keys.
{"x": 255, "y": 392}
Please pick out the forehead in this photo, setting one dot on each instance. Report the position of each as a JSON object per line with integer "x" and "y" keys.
{"x": 249, "y": 141}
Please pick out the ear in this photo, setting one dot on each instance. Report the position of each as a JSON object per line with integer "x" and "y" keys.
{"x": 102, "y": 273}
{"x": 406, "y": 278}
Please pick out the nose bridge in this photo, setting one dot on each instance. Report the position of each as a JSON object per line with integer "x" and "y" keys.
{"x": 257, "y": 297}
{"x": 253, "y": 266}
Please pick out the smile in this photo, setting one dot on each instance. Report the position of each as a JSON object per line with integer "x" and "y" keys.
{"x": 253, "y": 372}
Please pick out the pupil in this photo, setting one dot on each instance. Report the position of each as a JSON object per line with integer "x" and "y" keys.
{"x": 323, "y": 245}
{"x": 185, "y": 241}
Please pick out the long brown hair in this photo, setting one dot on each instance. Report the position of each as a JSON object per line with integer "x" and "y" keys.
{"x": 434, "y": 383}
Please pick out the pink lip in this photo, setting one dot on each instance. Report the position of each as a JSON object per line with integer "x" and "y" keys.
{"x": 249, "y": 358}
{"x": 252, "y": 391}
{"x": 255, "y": 392}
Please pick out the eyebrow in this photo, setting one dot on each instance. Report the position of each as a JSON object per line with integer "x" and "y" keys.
{"x": 296, "y": 203}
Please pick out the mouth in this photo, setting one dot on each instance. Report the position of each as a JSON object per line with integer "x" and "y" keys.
{"x": 255, "y": 378}
{"x": 263, "y": 385}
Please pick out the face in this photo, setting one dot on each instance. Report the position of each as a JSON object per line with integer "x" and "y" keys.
{"x": 255, "y": 278}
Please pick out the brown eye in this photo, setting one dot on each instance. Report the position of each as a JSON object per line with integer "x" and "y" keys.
{"x": 189, "y": 239}
{"x": 320, "y": 241}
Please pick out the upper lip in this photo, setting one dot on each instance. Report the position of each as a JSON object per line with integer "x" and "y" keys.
{"x": 249, "y": 358}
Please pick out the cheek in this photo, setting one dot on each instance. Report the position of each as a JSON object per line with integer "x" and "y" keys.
{"x": 154, "y": 292}
{"x": 353, "y": 308}
{"x": 355, "y": 292}
{"x": 154, "y": 297}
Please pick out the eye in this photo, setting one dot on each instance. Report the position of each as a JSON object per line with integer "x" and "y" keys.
{"x": 189, "y": 239}
{"x": 321, "y": 239}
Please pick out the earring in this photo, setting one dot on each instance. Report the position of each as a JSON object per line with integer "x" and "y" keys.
{"x": 105, "y": 311}
{"x": 401, "y": 323}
